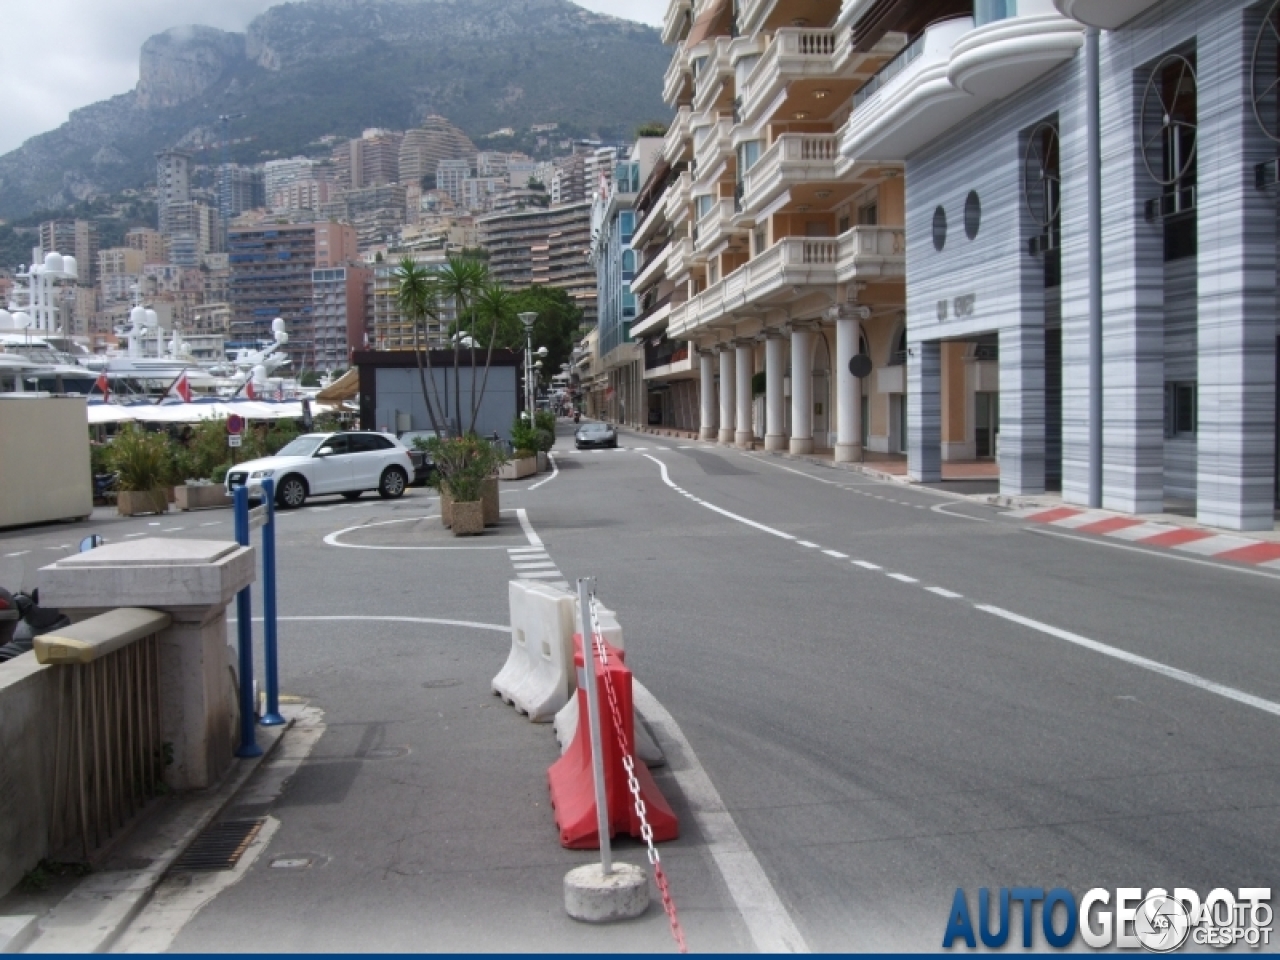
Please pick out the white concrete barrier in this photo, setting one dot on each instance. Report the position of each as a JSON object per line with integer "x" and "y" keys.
{"x": 537, "y": 677}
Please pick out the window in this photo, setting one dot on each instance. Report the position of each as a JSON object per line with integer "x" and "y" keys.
{"x": 627, "y": 224}
{"x": 972, "y": 215}
{"x": 761, "y": 239}
{"x": 748, "y": 155}
{"x": 704, "y": 202}
{"x": 1180, "y": 413}
{"x": 939, "y": 229}
{"x": 338, "y": 444}
{"x": 868, "y": 215}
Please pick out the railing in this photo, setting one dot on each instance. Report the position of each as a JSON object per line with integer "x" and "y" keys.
{"x": 910, "y": 53}
{"x": 818, "y": 152}
{"x": 714, "y": 143}
{"x": 108, "y": 754}
{"x": 789, "y": 44}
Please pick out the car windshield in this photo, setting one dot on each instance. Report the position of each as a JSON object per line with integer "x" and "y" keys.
{"x": 594, "y": 428}
{"x": 304, "y": 446}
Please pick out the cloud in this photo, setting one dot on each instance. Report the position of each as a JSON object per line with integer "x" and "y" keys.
{"x": 77, "y": 52}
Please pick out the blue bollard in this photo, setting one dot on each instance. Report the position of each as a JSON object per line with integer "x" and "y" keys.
{"x": 244, "y": 633}
{"x": 272, "y": 716}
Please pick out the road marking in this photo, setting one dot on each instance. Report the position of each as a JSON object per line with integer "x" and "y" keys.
{"x": 333, "y": 541}
{"x": 135, "y": 535}
{"x": 901, "y": 577}
{"x": 1173, "y": 673}
{"x": 552, "y": 574}
{"x": 950, "y": 595}
{"x": 212, "y": 523}
{"x": 20, "y": 553}
{"x": 762, "y": 910}
{"x": 800, "y": 473}
{"x": 807, "y": 544}
{"x": 470, "y": 624}
{"x": 866, "y": 566}
{"x": 555, "y": 472}
{"x": 837, "y": 554}
{"x": 666, "y": 478}
{"x": 530, "y": 534}
{"x": 1165, "y": 554}
{"x": 540, "y": 565}
{"x": 524, "y": 550}
{"x": 172, "y": 529}
{"x": 942, "y": 509}
{"x": 153, "y": 523}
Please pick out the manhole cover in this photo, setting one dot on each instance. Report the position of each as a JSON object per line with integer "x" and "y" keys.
{"x": 440, "y": 684}
{"x": 219, "y": 846}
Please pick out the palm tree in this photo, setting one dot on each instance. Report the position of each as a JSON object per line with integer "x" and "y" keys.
{"x": 419, "y": 301}
{"x": 461, "y": 279}
{"x": 492, "y": 304}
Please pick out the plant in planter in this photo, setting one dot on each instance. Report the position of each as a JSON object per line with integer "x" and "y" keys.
{"x": 143, "y": 465}
{"x": 524, "y": 461}
{"x": 463, "y": 466}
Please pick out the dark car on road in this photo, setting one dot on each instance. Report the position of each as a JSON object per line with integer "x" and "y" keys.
{"x": 595, "y": 435}
{"x": 423, "y": 466}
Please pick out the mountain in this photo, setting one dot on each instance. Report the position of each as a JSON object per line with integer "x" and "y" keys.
{"x": 306, "y": 70}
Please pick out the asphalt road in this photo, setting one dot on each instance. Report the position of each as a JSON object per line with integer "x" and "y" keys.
{"x": 894, "y": 694}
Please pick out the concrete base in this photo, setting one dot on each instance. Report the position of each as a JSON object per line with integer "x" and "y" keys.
{"x": 802, "y": 445}
{"x": 593, "y": 897}
{"x": 726, "y": 435}
{"x": 848, "y": 452}
{"x": 707, "y": 433}
{"x": 775, "y": 442}
{"x": 744, "y": 440}
{"x": 17, "y": 932}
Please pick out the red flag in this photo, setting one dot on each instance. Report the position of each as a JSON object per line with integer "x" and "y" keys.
{"x": 104, "y": 386}
{"x": 248, "y": 390}
{"x": 183, "y": 388}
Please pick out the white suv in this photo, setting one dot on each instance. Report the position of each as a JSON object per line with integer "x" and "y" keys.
{"x": 348, "y": 463}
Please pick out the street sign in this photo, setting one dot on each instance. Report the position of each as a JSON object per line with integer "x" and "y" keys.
{"x": 234, "y": 440}
{"x": 235, "y": 426}
{"x": 860, "y": 365}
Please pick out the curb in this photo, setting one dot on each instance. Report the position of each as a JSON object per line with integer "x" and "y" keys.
{"x": 92, "y": 916}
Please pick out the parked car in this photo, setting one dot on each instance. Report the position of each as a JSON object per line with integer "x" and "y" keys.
{"x": 315, "y": 464}
{"x": 423, "y": 466}
{"x": 595, "y": 435}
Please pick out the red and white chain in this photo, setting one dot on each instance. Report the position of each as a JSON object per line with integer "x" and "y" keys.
{"x": 633, "y": 784}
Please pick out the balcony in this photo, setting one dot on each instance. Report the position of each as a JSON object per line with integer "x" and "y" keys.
{"x": 712, "y": 147}
{"x": 668, "y": 357}
{"x": 871, "y": 253}
{"x": 675, "y": 202}
{"x": 653, "y": 318}
{"x": 794, "y": 54}
{"x": 794, "y": 158}
{"x": 681, "y": 257}
{"x": 654, "y": 268}
{"x": 770, "y": 277}
{"x": 713, "y": 75}
{"x": 676, "y": 23}
{"x": 955, "y": 68}
{"x": 677, "y": 81}
{"x": 1104, "y": 14}
{"x": 715, "y": 226}
{"x": 676, "y": 145}
{"x": 752, "y": 13}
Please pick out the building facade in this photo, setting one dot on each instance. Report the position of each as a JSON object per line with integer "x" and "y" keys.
{"x": 549, "y": 247}
{"x": 338, "y": 314}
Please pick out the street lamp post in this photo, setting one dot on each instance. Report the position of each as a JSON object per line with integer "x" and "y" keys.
{"x": 528, "y": 319}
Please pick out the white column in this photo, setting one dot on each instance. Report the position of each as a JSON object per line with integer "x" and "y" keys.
{"x": 801, "y": 391}
{"x": 744, "y": 437}
{"x": 727, "y": 381}
{"x": 848, "y": 391}
{"x": 707, "y": 365}
{"x": 775, "y": 354}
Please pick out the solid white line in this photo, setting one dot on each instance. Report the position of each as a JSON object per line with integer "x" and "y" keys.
{"x": 866, "y": 566}
{"x": 950, "y": 595}
{"x": 540, "y": 565}
{"x": 332, "y": 539}
{"x": 540, "y": 574}
{"x": 524, "y": 550}
{"x": 766, "y": 917}
{"x": 1173, "y": 673}
{"x": 807, "y": 544}
{"x": 1152, "y": 552}
{"x": 901, "y": 577}
{"x": 837, "y": 554}
{"x": 499, "y": 628}
{"x": 711, "y": 506}
{"x": 800, "y": 473}
{"x": 555, "y": 472}
{"x": 530, "y": 535}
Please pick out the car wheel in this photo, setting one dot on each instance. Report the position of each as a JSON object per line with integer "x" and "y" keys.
{"x": 392, "y": 484}
{"x": 292, "y": 493}
{"x": 352, "y": 495}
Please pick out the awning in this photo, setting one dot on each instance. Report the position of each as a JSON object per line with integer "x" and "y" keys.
{"x": 346, "y": 387}
{"x": 100, "y": 413}
{"x": 705, "y": 24}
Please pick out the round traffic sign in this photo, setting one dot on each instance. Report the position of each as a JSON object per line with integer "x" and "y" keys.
{"x": 235, "y": 424}
{"x": 860, "y": 365}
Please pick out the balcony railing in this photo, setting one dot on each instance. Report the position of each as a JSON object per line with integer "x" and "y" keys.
{"x": 793, "y": 54}
{"x": 871, "y": 252}
{"x": 676, "y": 199}
{"x": 712, "y": 146}
{"x": 793, "y": 158}
{"x": 677, "y": 138}
{"x": 715, "y": 223}
{"x": 677, "y": 21}
{"x": 910, "y": 53}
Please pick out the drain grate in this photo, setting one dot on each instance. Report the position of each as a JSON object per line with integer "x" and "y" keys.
{"x": 219, "y": 846}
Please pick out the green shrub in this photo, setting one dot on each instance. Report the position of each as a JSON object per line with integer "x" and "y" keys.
{"x": 463, "y": 464}
{"x": 142, "y": 460}
{"x": 545, "y": 420}
{"x": 546, "y": 440}
{"x": 524, "y": 438}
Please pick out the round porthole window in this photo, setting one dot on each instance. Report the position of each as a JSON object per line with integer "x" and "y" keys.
{"x": 972, "y": 215}
{"x": 939, "y": 229}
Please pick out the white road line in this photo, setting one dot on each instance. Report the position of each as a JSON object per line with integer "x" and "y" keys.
{"x": 711, "y": 506}
{"x": 333, "y": 541}
{"x": 212, "y": 523}
{"x": 562, "y": 584}
{"x": 540, "y": 575}
{"x": 20, "y": 553}
{"x": 866, "y": 566}
{"x": 685, "y": 448}
{"x": 942, "y": 509}
{"x": 471, "y": 624}
{"x": 555, "y": 472}
{"x": 950, "y": 595}
{"x": 135, "y": 535}
{"x": 153, "y": 523}
{"x": 770, "y": 462}
{"x": 837, "y": 554}
{"x": 1152, "y": 552}
{"x": 762, "y": 910}
{"x": 807, "y": 544}
{"x": 902, "y": 577}
{"x": 540, "y": 565}
{"x": 530, "y": 534}
{"x": 1173, "y": 673}
{"x": 524, "y": 549}
{"x": 172, "y": 529}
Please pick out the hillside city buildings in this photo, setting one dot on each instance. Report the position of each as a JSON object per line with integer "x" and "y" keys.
{"x": 892, "y": 230}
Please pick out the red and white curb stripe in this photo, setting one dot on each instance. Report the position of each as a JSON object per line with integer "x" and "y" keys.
{"x": 1194, "y": 540}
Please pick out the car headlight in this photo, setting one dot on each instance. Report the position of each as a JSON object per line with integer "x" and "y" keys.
{"x": 259, "y": 474}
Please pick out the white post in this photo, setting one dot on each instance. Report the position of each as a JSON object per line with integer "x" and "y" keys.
{"x": 775, "y": 352}
{"x": 593, "y": 718}
{"x": 727, "y": 381}
{"x": 745, "y": 364}
{"x": 801, "y": 391}
{"x": 707, "y": 429}
{"x": 848, "y": 391}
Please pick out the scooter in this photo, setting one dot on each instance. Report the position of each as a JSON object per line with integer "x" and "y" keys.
{"x": 576, "y": 416}
{"x": 22, "y": 619}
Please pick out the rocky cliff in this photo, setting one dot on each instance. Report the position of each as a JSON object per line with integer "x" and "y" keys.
{"x": 308, "y": 69}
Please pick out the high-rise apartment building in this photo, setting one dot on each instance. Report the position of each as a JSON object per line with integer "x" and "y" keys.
{"x": 569, "y": 182}
{"x": 278, "y": 174}
{"x": 194, "y": 231}
{"x": 149, "y": 242}
{"x": 76, "y": 237}
{"x": 450, "y": 175}
{"x": 543, "y": 247}
{"x": 338, "y": 314}
{"x": 424, "y": 147}
{"x": 173, "y": 183}
{"x": 239, "y": 189}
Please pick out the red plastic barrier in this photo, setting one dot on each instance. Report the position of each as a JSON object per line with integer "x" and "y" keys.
{"x": 571, "y": 779}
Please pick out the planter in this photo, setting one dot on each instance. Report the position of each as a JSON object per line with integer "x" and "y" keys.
{"x": 201, "y": 497}
{"x": 133, "y": 503}
{"x": 468, "y": 518}
{"x": 518, "y": 469}
{"x": 446, "y": 508}
{"x": 489, "y": 497}
{"x": 544, "y": 462}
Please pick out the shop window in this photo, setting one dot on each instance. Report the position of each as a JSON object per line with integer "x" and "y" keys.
{"x": 1180, "y": 408}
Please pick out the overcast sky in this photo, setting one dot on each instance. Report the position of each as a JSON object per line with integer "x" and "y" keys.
{"x": 64, "y": 54}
